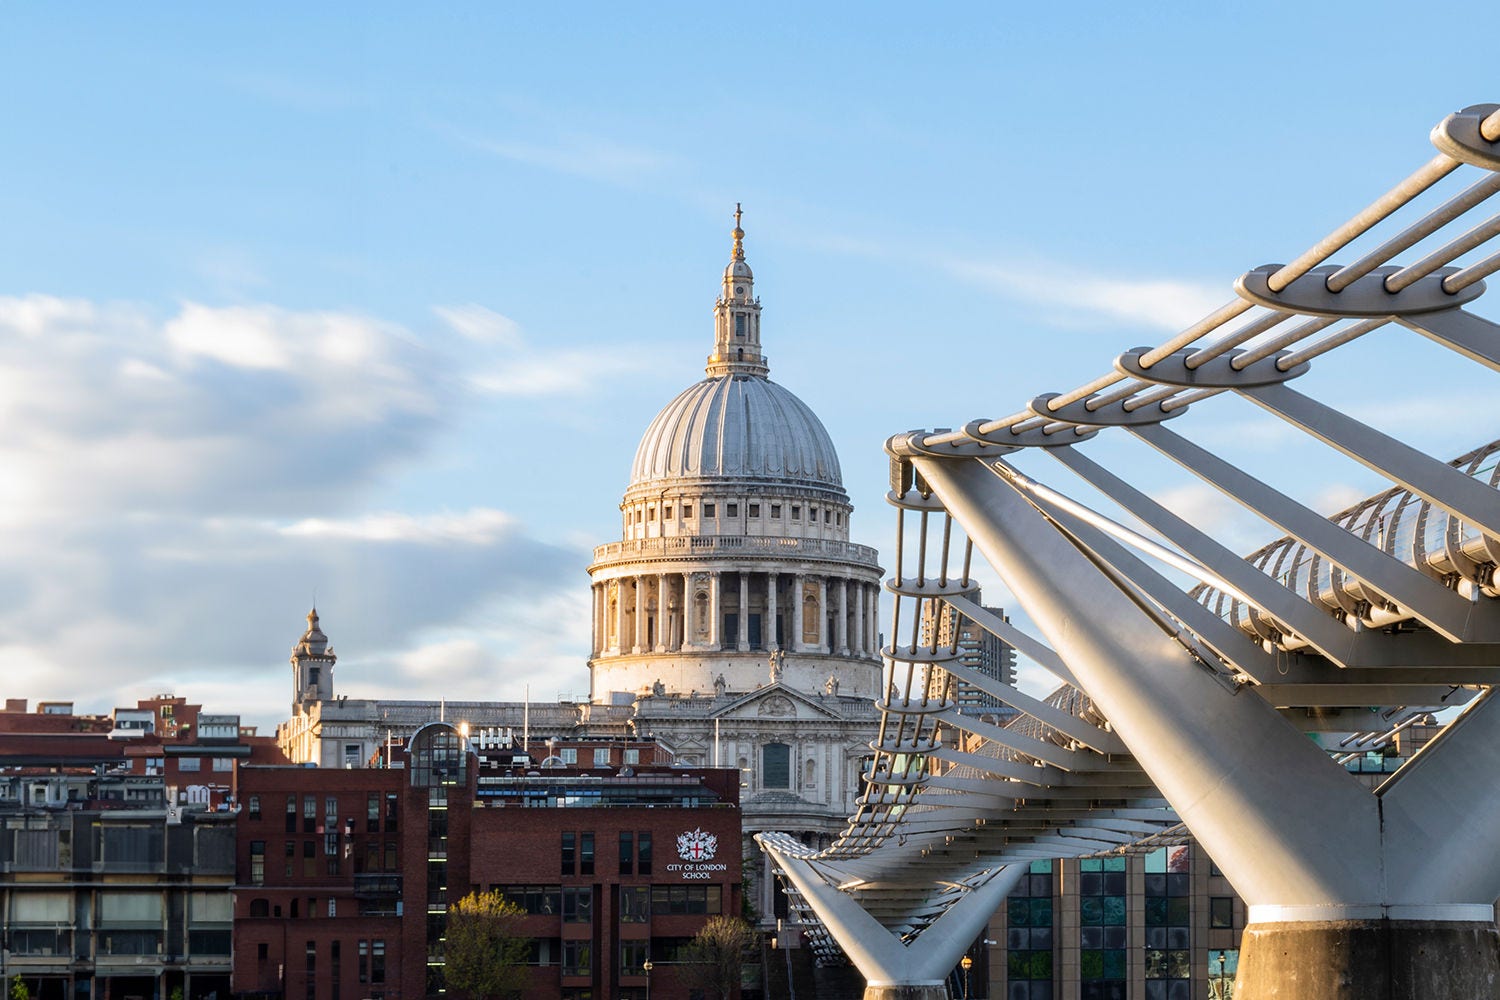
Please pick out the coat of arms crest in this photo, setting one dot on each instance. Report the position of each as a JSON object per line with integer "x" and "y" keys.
{"x": 697, "y": 846}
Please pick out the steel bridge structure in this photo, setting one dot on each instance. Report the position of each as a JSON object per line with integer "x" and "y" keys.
{"x": 1191, "y": 674}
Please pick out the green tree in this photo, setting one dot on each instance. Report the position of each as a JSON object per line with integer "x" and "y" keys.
{"x": 18, "y": 990}
{"x": 712, "y": 960}
{"x": 485, "y": 953}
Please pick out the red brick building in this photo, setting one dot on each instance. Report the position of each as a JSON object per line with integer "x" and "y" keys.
{"x": 345, "y": 876}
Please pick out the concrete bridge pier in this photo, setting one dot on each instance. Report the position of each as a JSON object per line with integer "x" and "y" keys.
{"x": 1353, "y": 893}
{"x": 1370, "y": 959}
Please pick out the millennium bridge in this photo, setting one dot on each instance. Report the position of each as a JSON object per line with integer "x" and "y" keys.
{"x": 1190, "y": 674}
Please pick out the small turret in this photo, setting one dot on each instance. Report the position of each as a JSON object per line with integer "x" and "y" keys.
{"x": 312, "y": 665}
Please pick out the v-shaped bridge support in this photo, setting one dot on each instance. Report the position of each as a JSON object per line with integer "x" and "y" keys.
{"x": 894, "y": 969}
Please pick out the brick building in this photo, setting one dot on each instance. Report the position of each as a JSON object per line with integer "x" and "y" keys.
{"x": 345, "y": 876}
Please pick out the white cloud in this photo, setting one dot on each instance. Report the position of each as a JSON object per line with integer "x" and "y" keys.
{"x": 477, "y": 526}
{"x": 521, "y": 370}
{"x": 481, "y": 324}
{"x": 175, "y": 492}
{"x": 1070, "y": 293}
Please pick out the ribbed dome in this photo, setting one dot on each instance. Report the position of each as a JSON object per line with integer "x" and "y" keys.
{"x": 737, "y": 427}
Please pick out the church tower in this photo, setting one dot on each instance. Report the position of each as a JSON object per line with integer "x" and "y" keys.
{"x": 737, "y": 317}
{"x": 312, "y": 665}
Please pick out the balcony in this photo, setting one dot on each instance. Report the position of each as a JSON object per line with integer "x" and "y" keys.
{"x": 688, "y": 546}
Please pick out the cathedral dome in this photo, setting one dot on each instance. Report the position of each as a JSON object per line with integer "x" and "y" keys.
{"x": 737, "y": 427}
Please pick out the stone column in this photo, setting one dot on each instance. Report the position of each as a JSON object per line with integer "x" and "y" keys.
{"x": 859, "y": 618}
{"x": 715, "y": 610}
{"x": 685, "y": 616}
{"x": 595, "y": 596}
{"x": 622, "y": 644}
{"x": 663, "y": 618}
{"x": 822, "y": 614}
{"x": 798, "y": 620}
{"x": 768, "y": 620}
{"x": 600, "y": 618}
{"x": 640, "y": 615}
{"x": 843, "y": 623}
{"x": 743, "y": 641}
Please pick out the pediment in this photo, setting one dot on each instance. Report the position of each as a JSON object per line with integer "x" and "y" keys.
{"x": 776, "y": 701}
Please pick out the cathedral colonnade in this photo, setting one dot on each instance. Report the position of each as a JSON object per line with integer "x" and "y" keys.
{"x": 740, "y": 609}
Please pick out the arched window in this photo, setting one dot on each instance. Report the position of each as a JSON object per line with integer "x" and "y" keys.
{"x": 438, "y": 756}
{"x": 776, "y": 765}
{"x": 260, "y": 908}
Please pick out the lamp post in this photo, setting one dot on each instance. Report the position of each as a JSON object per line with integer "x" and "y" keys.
{"x": 1222, "y": 994}
{"x": 646, "y": 967}
{"x": 967, "y": 963}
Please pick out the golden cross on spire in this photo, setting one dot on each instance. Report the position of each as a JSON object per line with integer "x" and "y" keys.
{"x": 739, "y": 235}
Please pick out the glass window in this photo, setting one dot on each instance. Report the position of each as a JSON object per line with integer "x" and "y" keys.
{"x": 1101, "y": 918}
{"x": 601, "y": 756}
{"x": 586, "y": 854}
{"x": 1222, "y": 968}
{"x": 633, "y": 955}
{"x": 635, "y": 904}
{"x": 708, "y": 510}
{"x": 253, "y": 807}
{"x": 687, "y": 511}
{"x": 666, "y": 511}
{"x": 755, "y": 510}
{"x": 733, "y": 510}
{"x": 577, "y": 958}
{"x": 643, "y": 852}
{"x": 257, "y": 862}
{"x": 776, "y": 510}
{"x": 568, "y": 755}
{"x": 309, "y": 813}
{"x": 569, "y": 853}
{"x": 372, "y": 812}
{"x": 627, "y": 853}
{"x": 189, "y": 763}
{"x": 223, "y": 763}
{"x": 578, "y": 905}
{"x": 1221, "y": 912}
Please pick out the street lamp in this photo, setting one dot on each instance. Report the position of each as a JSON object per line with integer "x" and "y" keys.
{"x": 646, "y": 967}
{"x": 967, "y": 963}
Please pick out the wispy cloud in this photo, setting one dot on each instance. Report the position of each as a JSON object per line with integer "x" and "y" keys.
{"x": 477, "y": 526}
{"x": 517, "y": 368}
{"x": 1072, "y": 295}
{"x": 574, "y": 153}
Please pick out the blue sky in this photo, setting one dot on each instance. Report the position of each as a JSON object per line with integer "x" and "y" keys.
{"x": 370, "y": 304}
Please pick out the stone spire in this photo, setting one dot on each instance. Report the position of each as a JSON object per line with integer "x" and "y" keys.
{"x": 737, "y": 317}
